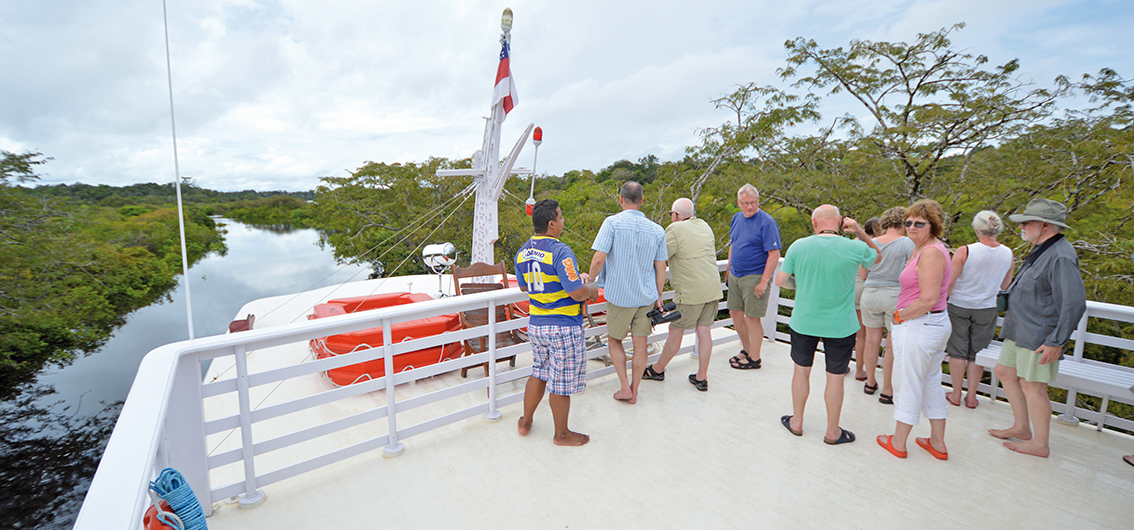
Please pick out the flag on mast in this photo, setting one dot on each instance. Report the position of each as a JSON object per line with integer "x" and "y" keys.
{"x": 505, "y": 84}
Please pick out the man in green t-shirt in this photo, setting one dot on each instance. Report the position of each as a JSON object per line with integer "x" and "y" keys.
{"x": 824, "y": 266}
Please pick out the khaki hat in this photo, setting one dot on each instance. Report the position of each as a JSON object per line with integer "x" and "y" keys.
{"x": 1044, "y": 210}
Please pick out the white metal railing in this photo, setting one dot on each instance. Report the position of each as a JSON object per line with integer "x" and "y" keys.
{"x": 163, "y": 424}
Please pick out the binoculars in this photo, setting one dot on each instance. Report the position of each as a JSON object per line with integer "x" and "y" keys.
{"x": 666, "y": 314}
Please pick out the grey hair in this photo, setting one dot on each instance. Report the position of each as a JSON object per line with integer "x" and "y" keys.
{"x": 987, "y": 223}
{"x": 632, "y": 192}
{"x": 747, "y": 189}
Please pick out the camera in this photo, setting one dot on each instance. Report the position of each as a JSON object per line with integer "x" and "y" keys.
{"x": 666, "y": 314}
{"x": 1002, "y": 301}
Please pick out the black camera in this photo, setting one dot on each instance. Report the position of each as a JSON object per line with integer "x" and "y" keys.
{"x": 666, "y": 314}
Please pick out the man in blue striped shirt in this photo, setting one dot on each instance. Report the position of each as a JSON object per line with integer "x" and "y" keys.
{"x": 547, "y": 269}
{"x": 629, "y": 261}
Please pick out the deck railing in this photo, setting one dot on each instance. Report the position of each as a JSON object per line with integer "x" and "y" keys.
{"x": 163, "y": 422}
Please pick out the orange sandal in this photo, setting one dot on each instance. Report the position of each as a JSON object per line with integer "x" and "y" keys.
{"x": 887, "y": 443}
{"x": 924, "y": 444}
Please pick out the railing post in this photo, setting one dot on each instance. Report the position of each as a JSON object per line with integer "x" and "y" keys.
{"x": 492, "y": 414}
{"x": 1068, "y": 417}
{"x": 251, "y": 497}
{"x": 183, "y": 444}
{"x": 394, "y": 448}
{"x": 769, "y": 318}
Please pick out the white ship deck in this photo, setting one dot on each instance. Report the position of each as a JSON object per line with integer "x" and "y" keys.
{"x": 680, "y": 458}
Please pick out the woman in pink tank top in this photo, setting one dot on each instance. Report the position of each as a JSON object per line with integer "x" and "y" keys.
{"x": 921, "y": 329}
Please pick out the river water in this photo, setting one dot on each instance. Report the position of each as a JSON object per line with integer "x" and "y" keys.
{"x": 75, "y": 419}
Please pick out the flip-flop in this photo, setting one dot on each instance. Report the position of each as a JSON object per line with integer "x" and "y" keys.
{"x": 1129, "y": 459}
{"x": 860, "y": 378}
{"x": 924, "y": 444}
{"x": 885, "y": 399}
{"x": 957, "y": 404}
{"x": 786, "y": 420}
{"x": 888, "y": 445}
{"x": 845, "y": 437}
{"x": 869, "y": 389}
{"x": 701, "y": 384}
{"x": 973, "y": 406}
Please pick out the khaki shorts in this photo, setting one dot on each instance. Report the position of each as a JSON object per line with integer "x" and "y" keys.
{"x": 859, "y": 285}
{"x": 696, "y": 315}
{"x": 1026, "y": 363}
{"x": 622, "y": 321}
{"x": 878, "y": 305}
{"x": 741, "y": 295}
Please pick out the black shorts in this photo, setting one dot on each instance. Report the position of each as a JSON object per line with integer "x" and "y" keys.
{"x": 837, "y": 351}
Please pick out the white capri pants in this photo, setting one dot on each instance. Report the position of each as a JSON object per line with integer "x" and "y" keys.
{"x": 919, "y": 349}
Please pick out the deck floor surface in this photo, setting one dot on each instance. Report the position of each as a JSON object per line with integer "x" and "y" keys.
{"x": 719, "y": 459}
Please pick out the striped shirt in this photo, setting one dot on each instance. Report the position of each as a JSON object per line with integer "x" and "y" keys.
{"x": 548, "y": 269}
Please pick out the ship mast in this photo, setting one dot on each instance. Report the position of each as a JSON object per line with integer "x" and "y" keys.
{"x": 489, "y": 173}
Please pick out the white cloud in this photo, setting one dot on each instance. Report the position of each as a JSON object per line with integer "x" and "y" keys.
{"x": 275, "y": 93}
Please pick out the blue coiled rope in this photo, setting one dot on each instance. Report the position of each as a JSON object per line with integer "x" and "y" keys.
{"x": 176, "y": 491}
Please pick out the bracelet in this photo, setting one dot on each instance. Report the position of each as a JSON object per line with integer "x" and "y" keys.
{"x": 897, "y": 318}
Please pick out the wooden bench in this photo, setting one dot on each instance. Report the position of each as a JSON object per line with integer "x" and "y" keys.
{"x": 1079, "y": 375}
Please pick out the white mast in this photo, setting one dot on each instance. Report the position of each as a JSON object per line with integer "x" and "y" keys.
{"x": 490, "y": 174}
{"x": 177, "y": 178}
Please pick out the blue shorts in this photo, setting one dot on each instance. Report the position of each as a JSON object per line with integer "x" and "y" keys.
{"x": 559, "y": 356}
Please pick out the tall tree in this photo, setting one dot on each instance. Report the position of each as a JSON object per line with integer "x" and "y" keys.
{"x": 924, "y": 101}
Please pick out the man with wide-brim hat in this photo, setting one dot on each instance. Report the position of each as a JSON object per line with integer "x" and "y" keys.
{"x": 1042, "y": 307}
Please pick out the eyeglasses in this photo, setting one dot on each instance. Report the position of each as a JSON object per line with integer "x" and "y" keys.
{"x": 749, "y": 203}
{"x": 919, "y": 224}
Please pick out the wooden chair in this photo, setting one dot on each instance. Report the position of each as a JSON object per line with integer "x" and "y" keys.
{"x": 480, "y": 276}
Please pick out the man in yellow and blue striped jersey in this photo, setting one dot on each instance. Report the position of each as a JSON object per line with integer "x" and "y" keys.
{"x": 547, "y": 269}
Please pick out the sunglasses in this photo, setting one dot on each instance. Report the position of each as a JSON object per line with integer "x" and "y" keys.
{"x": 919, "y": 224}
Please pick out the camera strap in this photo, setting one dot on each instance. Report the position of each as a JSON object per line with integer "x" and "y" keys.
{"x": 1031, "y": 258}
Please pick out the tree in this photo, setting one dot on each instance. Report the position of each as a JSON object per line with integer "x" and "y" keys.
{"x": 70, "y": 273}
{"x": 925, "y": 101}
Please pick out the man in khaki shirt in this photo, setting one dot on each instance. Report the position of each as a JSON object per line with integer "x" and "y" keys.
{"x": 697, "y": 289}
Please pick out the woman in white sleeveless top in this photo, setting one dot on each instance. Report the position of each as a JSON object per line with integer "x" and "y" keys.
{"x": 979, "y": 271}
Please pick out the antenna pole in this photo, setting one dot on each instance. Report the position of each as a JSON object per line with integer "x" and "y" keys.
{"x": 177, "y": 176}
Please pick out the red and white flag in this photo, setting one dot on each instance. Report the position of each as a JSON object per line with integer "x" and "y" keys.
{"x": 505, "y": 85}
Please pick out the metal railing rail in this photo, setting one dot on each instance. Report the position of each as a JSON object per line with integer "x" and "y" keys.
{"x": 162, "y": 423}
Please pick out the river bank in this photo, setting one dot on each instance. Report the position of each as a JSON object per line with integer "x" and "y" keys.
{"x": 54, "y": 431}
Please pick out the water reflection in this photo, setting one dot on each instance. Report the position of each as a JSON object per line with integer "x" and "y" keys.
{"x": 48, "y": 454}
{"x": 66, "y": 410}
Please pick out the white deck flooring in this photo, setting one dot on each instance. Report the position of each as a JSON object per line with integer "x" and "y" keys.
{"x": 721, "y": 459}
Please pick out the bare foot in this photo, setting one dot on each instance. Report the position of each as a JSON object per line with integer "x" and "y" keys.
{"x": 949, "y": 398}
{"x": 1005, "y": 434}
{"x": 625, "y": 395}
{"x": 524, "y": 425}
{"x": 1028, "y": 449}
{"x": 633, "y": 399}
{"x": 571, "y": 439}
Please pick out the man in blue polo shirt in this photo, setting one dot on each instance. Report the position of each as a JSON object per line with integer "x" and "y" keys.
{"x": 547, "y": 269}
{"x": 753, "y": 253}
{"x": 629, "y": 262}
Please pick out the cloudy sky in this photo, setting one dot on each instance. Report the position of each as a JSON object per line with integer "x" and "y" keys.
{"x": 273, "y": 94}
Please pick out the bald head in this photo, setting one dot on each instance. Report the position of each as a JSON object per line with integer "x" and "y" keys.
{"x": 683, "y": 208}
{"x": 826, "y": 217}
